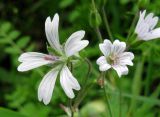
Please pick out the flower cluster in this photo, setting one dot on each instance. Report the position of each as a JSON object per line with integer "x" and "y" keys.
{"x": 114, "y": 55}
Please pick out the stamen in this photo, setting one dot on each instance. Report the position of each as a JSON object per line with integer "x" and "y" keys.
{"x": 112, "y": 59}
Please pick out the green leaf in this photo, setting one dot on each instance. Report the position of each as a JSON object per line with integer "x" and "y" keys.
{"x": 137, "y": 82}
{"x": 10, "y": 37}
{"x": 23, "y": 41}
{"x": 96, "y": 108}
{"x": 31, "y": 47}
{"x": 5, "y": 27}
{"x": 12, "y": 50}
{"x": 30, "y": 109}
{"x": 9, "y": 113}
{"x": 144, "y": 99}
{"x": 14, "y": 35}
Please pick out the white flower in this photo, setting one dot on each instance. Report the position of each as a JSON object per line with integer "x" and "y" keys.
{"x": 31, "y": 60}
{"x": 145, "y": 27}
{"x": 114, "y": 57}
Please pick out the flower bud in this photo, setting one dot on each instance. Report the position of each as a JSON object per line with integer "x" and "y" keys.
{"x": 100, "y": 82}
{"x": 95, "y": 19}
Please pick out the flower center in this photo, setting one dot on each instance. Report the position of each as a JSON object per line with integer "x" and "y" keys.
{"x": 111, "y": 59}
{"x": 51, "y": 58}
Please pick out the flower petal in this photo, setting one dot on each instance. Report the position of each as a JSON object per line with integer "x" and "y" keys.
{"x": 123, "y": 62}
{"x": 46, "y": 86}
{"x": 106, "y": 47}
{"x": 32, "y": 60}
{"x": 142, "y": 30}
{"x": 71, "y": 79}
{"x": 68, "y": 82}
{"x": 101, "y": 60}
{"x": 118, "y": 47}
{"x": 76, "y": 47}
{"x": 74, "y": 43}
{"x": 141, "y": 19}
{"x": 74, "y": 38}
{"x": 153, "y": 22}
{"x": 148, "y": 18}
{"x": 153, "y": 34}
{"x": 30, "y": 56}
{"x": 103, "y": 65}
{"x": 51, "y": 29}
{"x": 125, "y": 59}
{"x": 121, "y": 70}
{"x": 126, "y": 55}
{"x": 25, "y": 66}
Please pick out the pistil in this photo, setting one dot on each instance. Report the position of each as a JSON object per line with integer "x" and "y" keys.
{"x": 51, "y": 58}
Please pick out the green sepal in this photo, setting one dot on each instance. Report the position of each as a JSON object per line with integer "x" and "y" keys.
{"x": 52, "y": 51}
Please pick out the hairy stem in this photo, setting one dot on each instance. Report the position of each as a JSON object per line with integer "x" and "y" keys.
{"x": 99, "y": 34}
{"x": 106, "y": 23}
{"x": 120, "y": 98}
{"x": 106, "y": 96}
{"x": 82, "y": 93}
{"x": 130, "y": 33}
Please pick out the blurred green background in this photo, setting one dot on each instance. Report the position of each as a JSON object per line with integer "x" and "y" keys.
{"x": 22, "y": 29}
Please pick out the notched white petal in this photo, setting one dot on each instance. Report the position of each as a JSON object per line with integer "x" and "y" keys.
{"x": 74, "y": 38}
{"x": 101, "y": 60}
{"x": 71, "y": 79}
{"x": 74, "y": 44}
{"x": 106, "y": 47}
{"x": 51, "y": 29}
{"x": 68, "y": 82}
{"x": 127, "y": 55}
{"x": 154, "y": 34}
{"x": 31, "y": 60}
{"x": 76, "y": 47}
{"x": 30, "y": 56}
{"x": 46, "y": 86}
{"x": 118, "y": 47}
{"x": 121, "y": 70}
{"x": 25, "y": 66}
{"x": 104, "y": 67}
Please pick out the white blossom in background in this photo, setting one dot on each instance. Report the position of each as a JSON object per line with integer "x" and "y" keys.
{"x": 31, "y": 60}
{"x": 114, "y": 56}
{"x": 145, "y": 26}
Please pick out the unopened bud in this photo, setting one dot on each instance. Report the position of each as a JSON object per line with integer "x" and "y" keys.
{"x": 95, "y": 19}
{"x": 100, "y": 81}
